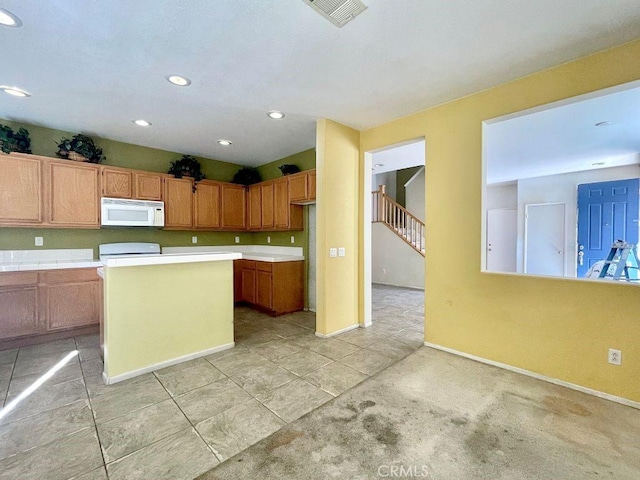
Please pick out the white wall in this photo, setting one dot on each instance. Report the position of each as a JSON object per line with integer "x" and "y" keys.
{"x": 389, "y": 180}
{"x": 393, "y": 262}
{"x": 563, "y": 189}
{"x": 501, "y": 196}
{"x": 414, "y": 195}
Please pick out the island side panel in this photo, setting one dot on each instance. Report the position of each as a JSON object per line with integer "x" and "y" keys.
{"x": 156, "y": 315}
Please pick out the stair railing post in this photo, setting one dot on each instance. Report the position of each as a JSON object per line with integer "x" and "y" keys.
{"x": 381, "y": 202}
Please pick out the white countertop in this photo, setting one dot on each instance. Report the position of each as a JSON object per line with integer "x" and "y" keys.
{"x": 47, "y": 265}
{"x": 261, "y": 253}
{"x": 165, "y": 259}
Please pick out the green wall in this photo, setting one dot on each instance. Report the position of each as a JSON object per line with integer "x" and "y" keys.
{"x": 402, "y": 177}
{"x": 304, "y": 160}
{"x": 44, "y": 142}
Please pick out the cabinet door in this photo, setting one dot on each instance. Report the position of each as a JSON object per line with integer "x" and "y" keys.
{"x": 237, "y": 280}
{"x": 20, "y": 190}
{"x": 207, "y": 205}
{"x": 71, "y": 298}
{"x": 311, "y": 180}
{"x": 264, "y": 289}
{"x": 281, "y": 203}
{"x": 233, "y": 206}
{"x": 266, "y": 191}
{"x": 19, "y": 312}
{"x": 148, "y": 186}
{"x": 178, "y": 203}
{"x": 116, "y": 183}
{"x": 249, "y": 282}
{"x": 74, "y": 193}
{"x": 255, "y": 207}
{"x": 298, "y": 187}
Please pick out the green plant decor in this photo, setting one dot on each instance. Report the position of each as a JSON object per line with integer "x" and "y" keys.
{"x": 187, "y": 166}
{"x": 247, "y": 176}
{"x": 288, "y": 169}
{"x": 80, "y": 148}
{"x": 11, "y": 141}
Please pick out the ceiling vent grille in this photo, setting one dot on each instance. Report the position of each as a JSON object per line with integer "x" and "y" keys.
{"x": 338, "y": 12}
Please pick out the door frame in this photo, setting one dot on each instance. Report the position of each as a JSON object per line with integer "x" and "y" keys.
{"x": 564, "y": 235}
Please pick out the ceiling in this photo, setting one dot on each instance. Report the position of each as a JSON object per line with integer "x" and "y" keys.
{"x": 96, "y": 66}
{"x": 398, "y": 157}
{"x": 565, "y": 138}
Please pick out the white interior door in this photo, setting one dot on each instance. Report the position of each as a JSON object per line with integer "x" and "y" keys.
{"x": 544, "y": 247}
{"x": 502, "y": 236}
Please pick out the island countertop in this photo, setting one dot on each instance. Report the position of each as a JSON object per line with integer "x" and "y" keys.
{"x": 168, "y": 258}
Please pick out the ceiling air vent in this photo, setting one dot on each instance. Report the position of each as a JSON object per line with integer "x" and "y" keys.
{"x": 338, "y": 12}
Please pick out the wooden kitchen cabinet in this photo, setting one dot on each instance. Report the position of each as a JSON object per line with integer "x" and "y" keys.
{"x": 73, "y": 194}
{"x": 117, "y": 183}
{"x": 233, "y": 206}
{"x": 254, "y": 207}
{"x": 268, "y": 216}
{"x": 20, "y": 190}
{"x": 311, "y": 181}
{"x": 276, "y": 287}
{"x": 178, "y": 203}
{"x": 206, "y": 209}
{"x": 302, "y": 187}
{"x": 148, "y": 186}
{"x": 286, "y": 215}
{"x": 44, "y": 304}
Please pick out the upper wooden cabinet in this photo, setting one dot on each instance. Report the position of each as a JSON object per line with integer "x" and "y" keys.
{"x": 233, "y": 206}
{"x": 268, "y": 214}
{"x": 148, "y": 186}
{"x": 254, "y": 207}
{"x": 287, "y": 216}
{"x": 178, "y": 203}
{"x": 73, "y": 195}
{"x": 117, "y": 183}
{"x": 20, "y": 190}
{"x": 302, "y": 187}
{"x": 206, "y": 207}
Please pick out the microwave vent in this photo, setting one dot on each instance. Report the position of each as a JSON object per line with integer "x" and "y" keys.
{"x": 338, "y": 12}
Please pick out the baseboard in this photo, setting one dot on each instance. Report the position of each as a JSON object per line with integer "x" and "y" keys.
{"x": 167, "y": 363}
{"x": 544, "y": 378}
{"x": 333, "y": 334}
{"x": 399, "y": 286}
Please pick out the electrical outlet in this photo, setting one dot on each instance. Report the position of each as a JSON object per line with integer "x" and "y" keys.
{"x": 615, "y": 356}
{"x": 237, "y": 239}
{"x": 194, "y": 239}
{"x": 39, "y": 241}
{"x": 293, "y": 239}
{"x": 268, "y": 238}
{"x": 342, "y": 252}
{"x": 333, "y": 252}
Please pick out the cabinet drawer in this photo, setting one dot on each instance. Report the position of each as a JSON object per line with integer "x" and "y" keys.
{"x": 18, "y": 278}
{"x": 264, "y": 266}
{"x": 71, "y": 275}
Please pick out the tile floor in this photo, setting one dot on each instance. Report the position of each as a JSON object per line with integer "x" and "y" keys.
{"x": 183, "y": 420}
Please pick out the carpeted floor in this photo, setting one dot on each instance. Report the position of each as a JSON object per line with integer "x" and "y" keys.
{"x": 434, "y": 415}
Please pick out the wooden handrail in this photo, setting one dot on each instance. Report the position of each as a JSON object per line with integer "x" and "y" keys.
{"x": 402, "y": 222}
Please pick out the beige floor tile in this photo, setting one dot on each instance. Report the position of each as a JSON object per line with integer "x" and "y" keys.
{"x": 97, "y": 474}
{"x": 181, "y": 378}
{"x": 303, "y": 362}
{"x": 210, "y": 400}
{"x": 391, "y": 348}
{"x": 259, "y": 380}
{"x": 39, "y": 363}
{"x": 277, "y": 349}
{"x": 8, "y": 356}
{"x": 294, "y": 399}
{"x": 335, "y": 378}
{"x": 360, "y": 337}
{"x": 366, "y": 361}
{"x": 334, "y": 349}
{"x": 241, "y": 361}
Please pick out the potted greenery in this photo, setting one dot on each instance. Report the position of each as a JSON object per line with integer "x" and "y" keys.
{"x": 288, "y": 169}
{"x": 187, "y": 166}
{"x": 80, "y": 148}
{"x": 247, "y": 176}
{"x": 11, "y": 141}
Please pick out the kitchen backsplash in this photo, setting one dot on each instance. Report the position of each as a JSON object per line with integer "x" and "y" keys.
{"x": 35, "y": 256}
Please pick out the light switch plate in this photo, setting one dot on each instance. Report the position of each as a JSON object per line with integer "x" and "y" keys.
{"x": 342, "y": 252}
{"x": 39, "y": 241}
{"x": 268, "y": 238}
{"x": 333, "y": 252}
{"x": 194, "y": 239}
{"x": 293, "y": 239}
{"x": 237, "y": 239}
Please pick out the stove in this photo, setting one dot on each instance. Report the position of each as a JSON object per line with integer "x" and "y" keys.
{"x": 115, "y": 250}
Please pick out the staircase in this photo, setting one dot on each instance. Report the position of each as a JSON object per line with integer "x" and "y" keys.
{"x": 398, "y": 219}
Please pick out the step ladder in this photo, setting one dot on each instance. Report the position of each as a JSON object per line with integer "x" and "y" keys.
{"x": 618, "y": 256}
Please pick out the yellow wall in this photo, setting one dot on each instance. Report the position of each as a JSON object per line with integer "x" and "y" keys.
{"x": 155, "y": 313}
{"x": 338, "y": 152}
{"x": 555, "y": 327}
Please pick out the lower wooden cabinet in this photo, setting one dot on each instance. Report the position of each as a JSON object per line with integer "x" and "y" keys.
{"x": 276, "y": 287}
{"x": 46, "y": 301}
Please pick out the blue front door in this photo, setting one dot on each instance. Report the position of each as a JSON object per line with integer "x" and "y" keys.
{"x": 607, "y": 211}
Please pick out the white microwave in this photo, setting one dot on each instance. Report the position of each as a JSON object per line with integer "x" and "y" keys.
{"x": 132, "y": 213}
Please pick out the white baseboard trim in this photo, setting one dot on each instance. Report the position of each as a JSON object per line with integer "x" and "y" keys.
{"x": 544, "y": 378}
{"x": 333, "y": 334}
{"x": 367, "y": 324}
{"x": 167, "y": 363}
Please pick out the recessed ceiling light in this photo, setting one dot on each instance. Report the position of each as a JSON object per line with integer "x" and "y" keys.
{"x": 379, "y": 165}
{"x": 598, "y": 164}
{"x": 142, "y": 123}
{"x": 603, "y": 124}
{"x": 8, "y": 19}
{"x": 179, "y": 80}
{"x": 15, "y": 91}
{"x": 275, "y": 114}
{"x": 225, "y": 142}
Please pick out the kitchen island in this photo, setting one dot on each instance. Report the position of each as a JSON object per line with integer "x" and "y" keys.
{"x": 160, "y": 310}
